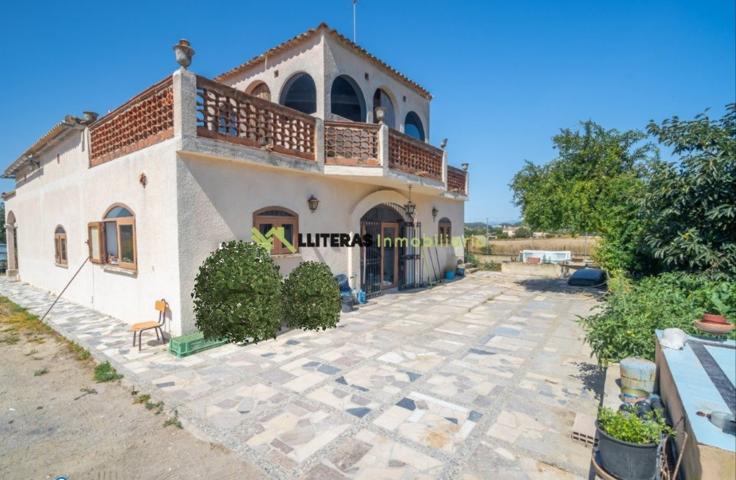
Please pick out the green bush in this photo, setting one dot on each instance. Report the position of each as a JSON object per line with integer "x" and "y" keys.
{"x": 104, "y": 372}
{"x": 628, "y": 427}
{"x": 237, "y": 294}
{"x": 634, "y": 310}
{"x": 311, "y": 297}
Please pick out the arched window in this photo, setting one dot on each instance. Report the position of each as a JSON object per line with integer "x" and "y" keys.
{"x": 270, "y": 218}
{"x": 300, "y": 93}
{"x": 112, "y": 241}
{"x": 445, "y": 231}
{"x": 413, "y": 126}
{"x": 60, "y": 254}
{"x": 259, "y": 89}
{"x": 346, "y": 99}
{"x": 383, "y": 100}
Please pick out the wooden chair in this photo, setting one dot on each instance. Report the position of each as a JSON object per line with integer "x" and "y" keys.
{"x": 138, "y": 328}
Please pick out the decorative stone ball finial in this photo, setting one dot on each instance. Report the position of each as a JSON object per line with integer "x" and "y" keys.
{"x": 90, "y": 117}
{"x": 380, "y": 114}
{"x": 184, "y": 53}
{"x": 465, "y": 166}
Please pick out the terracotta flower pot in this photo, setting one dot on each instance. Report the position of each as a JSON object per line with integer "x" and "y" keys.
{"x": 713, "y": 328}
{"x": 713, "y": 318}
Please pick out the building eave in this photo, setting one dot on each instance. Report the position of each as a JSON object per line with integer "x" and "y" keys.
{"x": 57, "y": 132}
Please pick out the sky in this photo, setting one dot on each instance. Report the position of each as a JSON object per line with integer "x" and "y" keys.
{"x": 505, "y": 75}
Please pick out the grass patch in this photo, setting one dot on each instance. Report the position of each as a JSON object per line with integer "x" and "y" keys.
{"x": 156, "y": 407}
{"x": 79, "y": 352}
{"x": 19, "y": 320}
{"x": 173, "y": 421}
{"x": 145, "y": 399}
{"x": 104, "y": 372}
{"x": 41, "y": 371}
{"x": 490, "y": 266}
{"x": 10, "y": 338}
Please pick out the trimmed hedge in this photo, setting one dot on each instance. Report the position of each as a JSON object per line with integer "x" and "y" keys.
{"x": 237, "y": 294}
{"x": 311, "y": 297}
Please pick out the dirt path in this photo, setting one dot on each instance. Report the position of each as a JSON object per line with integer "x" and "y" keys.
{"x": 56, "y": 420}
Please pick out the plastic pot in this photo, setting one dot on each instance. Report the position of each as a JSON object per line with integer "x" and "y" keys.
{"x": 626, "y": 460}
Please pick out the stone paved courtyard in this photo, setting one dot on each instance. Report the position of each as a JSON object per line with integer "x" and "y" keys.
{"x": 480, "y": 378}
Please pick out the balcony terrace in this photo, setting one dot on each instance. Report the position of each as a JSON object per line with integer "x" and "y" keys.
{"x": 217, "y": 120}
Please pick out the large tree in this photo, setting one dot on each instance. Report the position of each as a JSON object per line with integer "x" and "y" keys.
{"x": 654, "y": 216}
{"x": 587, "y": 185}
{"x": 689, "y": 206}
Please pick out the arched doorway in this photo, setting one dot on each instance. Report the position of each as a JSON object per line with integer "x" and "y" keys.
{"x": 393, "y": 260}
{"x": 259, "y": 89}
{"x": 300, "y": 93}
{"x": 346, "y": 99}
{"x": 413, "y": 126}
{"x": 382, "y": 99}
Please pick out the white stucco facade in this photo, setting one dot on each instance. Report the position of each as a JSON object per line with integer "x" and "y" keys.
{"x": 200, "y": 192}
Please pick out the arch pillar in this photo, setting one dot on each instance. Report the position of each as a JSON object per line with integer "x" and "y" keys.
{"x": 10, "y": 236}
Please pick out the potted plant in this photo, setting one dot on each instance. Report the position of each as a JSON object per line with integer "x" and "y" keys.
{"x": 627, "y": 443}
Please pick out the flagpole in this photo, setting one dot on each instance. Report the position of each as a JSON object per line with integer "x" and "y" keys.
{"x": 355, "y": 2}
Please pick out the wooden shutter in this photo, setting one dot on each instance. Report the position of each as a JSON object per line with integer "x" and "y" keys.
{"x": 96, "y": 242}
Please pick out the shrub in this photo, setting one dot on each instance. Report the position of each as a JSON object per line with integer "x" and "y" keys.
{"x": 237, "y": 294}
{"x": 490, "y": 266}
{"x": 634, "y": 310}
{"x": 628, "y": 427}
{"x": 311, "y": 297}
{"x": 104, "y": 372}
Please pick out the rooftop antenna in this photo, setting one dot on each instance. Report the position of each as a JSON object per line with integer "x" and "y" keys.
{"x": 355, "y": 3}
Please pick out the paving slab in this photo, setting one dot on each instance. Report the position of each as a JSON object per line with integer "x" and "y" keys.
{"x": 478, "y": 378}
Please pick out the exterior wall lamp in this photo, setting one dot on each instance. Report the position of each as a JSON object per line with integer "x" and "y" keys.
{"x": 313, "y": 203}
{"x": 434, "y": 212}
{"x": 184, "y": 53}
{"x": 410, "y": 207}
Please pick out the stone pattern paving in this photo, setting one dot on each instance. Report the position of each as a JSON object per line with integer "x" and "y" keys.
{"x": 479, "y": 378}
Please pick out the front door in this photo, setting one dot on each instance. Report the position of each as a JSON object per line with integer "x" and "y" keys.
{"x": 389, "y": 255}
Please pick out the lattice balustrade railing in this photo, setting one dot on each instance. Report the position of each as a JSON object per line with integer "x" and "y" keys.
{"x": 145, "y": 119}
{"x": 414, "y": 156}
{"x": 225, "y": 113}
{"x": 348, "y": 143}
{"x": 456, "y": 179}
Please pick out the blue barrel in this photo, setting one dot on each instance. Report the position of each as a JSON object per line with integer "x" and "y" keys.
{"x": 637, "y": 374}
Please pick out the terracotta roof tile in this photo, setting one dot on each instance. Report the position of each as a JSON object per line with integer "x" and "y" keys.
{"x": 323, "y": 27}
{"x": 58, "y": 130}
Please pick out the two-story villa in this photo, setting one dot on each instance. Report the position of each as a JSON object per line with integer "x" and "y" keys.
{"x": 315, "y": 135}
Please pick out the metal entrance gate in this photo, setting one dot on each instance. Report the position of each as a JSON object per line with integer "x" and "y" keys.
{"x": 408, "y": 249}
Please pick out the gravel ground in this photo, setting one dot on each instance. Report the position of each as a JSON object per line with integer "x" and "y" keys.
{"x": 51, "y": 425}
